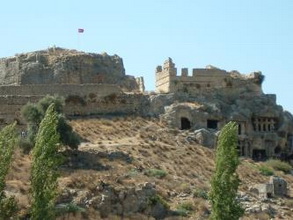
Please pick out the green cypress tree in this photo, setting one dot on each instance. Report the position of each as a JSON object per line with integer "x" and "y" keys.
{"x": 7, "y": 144}
{"x": 45, "y": 167}
{"x": 225, "y": 181}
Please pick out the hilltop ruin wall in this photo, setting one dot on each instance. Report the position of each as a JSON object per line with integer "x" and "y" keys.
{"x": 61, "y": 66}
{"x": 206, "y": 80}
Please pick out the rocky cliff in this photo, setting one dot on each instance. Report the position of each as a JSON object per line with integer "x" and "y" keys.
{"x": 62, "y": 66}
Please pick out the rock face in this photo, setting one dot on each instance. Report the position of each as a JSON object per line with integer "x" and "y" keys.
{"x": 212, "y": 97}
{"x": 276, "y": 187}
{"x": 61, "y": 66}
{"x": 122, "y": 202}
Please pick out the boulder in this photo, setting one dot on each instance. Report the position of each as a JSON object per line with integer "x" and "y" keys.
{"x": 205, "y": 137}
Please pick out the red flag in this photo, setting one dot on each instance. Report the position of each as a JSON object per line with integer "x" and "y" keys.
{"x": 80, "y": 30}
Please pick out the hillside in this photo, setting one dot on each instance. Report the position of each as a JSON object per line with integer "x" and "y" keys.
{"x": 141, "y": 168}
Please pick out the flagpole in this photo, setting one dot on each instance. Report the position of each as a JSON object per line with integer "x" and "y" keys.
{"x": 78, "y": 41}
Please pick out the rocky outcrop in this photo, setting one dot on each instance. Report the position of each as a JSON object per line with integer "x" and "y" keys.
{"x": 61, "y": 66}
{"x": 121, "y": 202}
{"x": 265, "y": 130}
{"x": 276, "y": 187}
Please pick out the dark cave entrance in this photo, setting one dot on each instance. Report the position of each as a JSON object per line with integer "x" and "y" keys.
{"x": 185, "y": 124}
{"x": 259, "y": 155}
{"x": 212, "y": 124}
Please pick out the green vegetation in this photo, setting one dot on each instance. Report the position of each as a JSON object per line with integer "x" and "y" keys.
{"x": 34, "y": 113}
{"x": 8, "y": 206}
{"x": 68, "y": 208}
{"x": 200, "y": 193}
{"x": 185, "y": 208}
{"x": 266, "y": 171}
{"x": 45, "y": 163}
{"x": 156, "y": 173}
{"x": 225, "y": 181}
{"x": 279, "y": 165}
{"x": 158, "y": 199}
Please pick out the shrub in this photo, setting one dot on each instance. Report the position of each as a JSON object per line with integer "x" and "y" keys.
{"x": 266, "y": 171}
{"x": 156, "y": 173}
{"x": 200, "y": 193}
{"x": 8, "y": 208}
{"x": 62, "y": 209}
{"x": 25, "y": 145}
{"x": 279, "y": 165}
{"x": 185, "y": 208}
{"x": 75, "y": 99}
{"x": 182, "y": 212}
{"x": 153, "y": 200}
{"x": 34, "y": 113}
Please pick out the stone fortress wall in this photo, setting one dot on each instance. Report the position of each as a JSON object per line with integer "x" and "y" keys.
{"x": 60, "y": 89}
{"x": 94, "y": 84}
{"x": 211, "y": 97}
{"x": 205, "y": 80}
{"x": 90, "y": 83}
{"x": 80, "y": 100}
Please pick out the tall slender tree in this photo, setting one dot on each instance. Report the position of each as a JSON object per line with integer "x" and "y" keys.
{"x": 225, "y": 181}
{"x": 7, "y": 144}
{"x": 45, "y": 167}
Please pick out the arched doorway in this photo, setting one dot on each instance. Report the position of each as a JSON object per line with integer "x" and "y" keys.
{"x": 185, "y": 123}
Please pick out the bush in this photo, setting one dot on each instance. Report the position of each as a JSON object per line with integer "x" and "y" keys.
{"x": 66, "y": 208}
{"x": 156, "y": 173}
{"x": 34, "y": 113}
{"x": 184, "y": 208}
{"x": 153, "y": 200}
{"x": 266, "y": 171}
{"x": 8, "y": 207}
{"x": 25, "y": 145}
{"x": 200, "y": 193}
{"x": 279, "y": 165}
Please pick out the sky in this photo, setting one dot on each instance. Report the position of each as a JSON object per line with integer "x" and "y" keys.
{"x": 243, "y": 35}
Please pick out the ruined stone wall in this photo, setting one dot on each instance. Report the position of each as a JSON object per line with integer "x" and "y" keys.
{"x": 80, "y": 100}
{"x": 62, "y": 66}
{"x": 120, "y": 104}
{"x": 162, "y": 81}
{"x": 205, "y": 80}
{"x": 59, "y": 89}
{"x": 10, "y": 107}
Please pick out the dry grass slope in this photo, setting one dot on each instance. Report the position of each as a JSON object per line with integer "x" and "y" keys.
{"x": 127, "y": 151}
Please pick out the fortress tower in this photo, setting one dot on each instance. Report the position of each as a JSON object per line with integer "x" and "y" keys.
{"x": 164, "y": 76}
{"x": 205, "y": 80}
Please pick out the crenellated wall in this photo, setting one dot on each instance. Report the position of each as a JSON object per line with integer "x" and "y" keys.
{"x": 205, "y": 80}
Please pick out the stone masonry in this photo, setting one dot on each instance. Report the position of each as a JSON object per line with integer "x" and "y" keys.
{"x": 211, "y": 97}
{"x": 96, "y": 84}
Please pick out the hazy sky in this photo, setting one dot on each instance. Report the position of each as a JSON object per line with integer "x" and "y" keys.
{"x": 243, "y": 35}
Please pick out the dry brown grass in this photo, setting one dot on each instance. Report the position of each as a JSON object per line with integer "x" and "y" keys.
{"x": 189, "y": 166}
{"x": 18, "y": 180}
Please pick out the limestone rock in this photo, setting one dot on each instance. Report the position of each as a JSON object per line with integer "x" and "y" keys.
{"x": 205, "y": 137}
{"x": 123, "y": 201}
{"x": 62, "y": 66}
